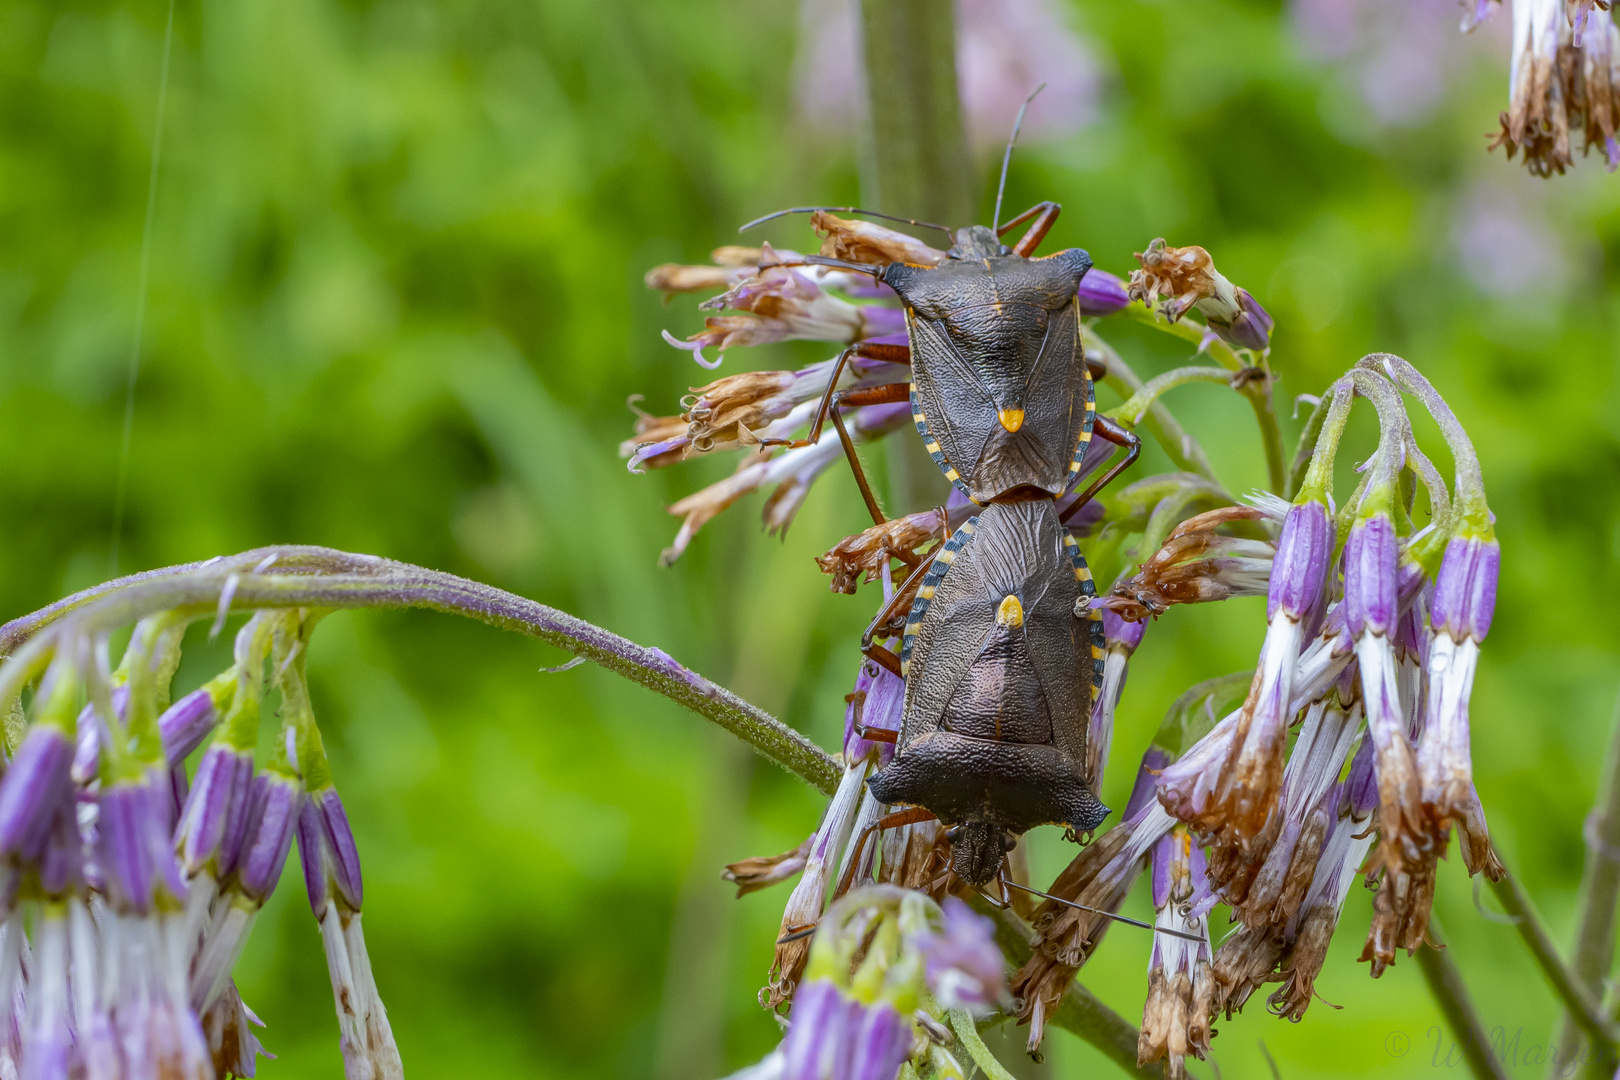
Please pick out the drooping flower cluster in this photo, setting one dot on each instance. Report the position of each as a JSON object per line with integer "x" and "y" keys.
{"x": 130, "y": 890}
{"x": 1185, "y": 278}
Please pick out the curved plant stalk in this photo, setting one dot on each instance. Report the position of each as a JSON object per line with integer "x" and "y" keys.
{"x": 323, "y": 578}
{"x": 1256, "y": 389}
{"x": 1181, "y": 447}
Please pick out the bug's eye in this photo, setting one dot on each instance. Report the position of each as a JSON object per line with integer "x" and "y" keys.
{"x": 1008, "y": 841}
{"x": 953, "y": 833}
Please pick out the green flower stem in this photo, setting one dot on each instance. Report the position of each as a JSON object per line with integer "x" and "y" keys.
{"x": 1393, "y": 434}
{"x": 1183, "y": 450}
{"x": 1583, "y": 1007}
{"x": 1593, "y": 953}
{"x": 1451, "y": 994}
{"x": 1473, "y": 514}
{"x": 1131, "y": 412}
{"x": 1257, "y": 390}
{"x": 968, "y": 1033}
{"x": 323, "y": 578}
{"x": 1304, "y": 447}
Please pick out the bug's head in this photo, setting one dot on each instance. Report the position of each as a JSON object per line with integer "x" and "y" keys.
{"x": 976, "y": 242}
{"x": 977, "y": 849}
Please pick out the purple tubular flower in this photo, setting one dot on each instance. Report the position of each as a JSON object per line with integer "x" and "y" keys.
{"x": 818, "y": 1035}
{"x": 962, "y": 965}
{"x": 132, "y": 844}
{"x": 1300, "y": 568}
{"x": 1464, "y": 602}
{"x": 211, "y": 826}
{"x": 48, "y": 1043}
{"x": 880, "y": 1042}
{"x": 1181, "y": 985}
{"x": 1123, "y": 637}
{"x": 327, "y": 849}
{"x": 879, "y": 322}
{"x": 1101, "y": 293}
{"x": 35, "y": 790}
{"x": 1465, "y": 588}
{"x": 187, "y": 722}
{"x": 875, "y": 704}
{"x": 1370, "y": 578}
{"x": 275, "y": 812}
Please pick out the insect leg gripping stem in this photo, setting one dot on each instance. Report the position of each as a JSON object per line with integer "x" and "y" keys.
{"x": 876, "y": 653}
{"x": 1119, "y": 435}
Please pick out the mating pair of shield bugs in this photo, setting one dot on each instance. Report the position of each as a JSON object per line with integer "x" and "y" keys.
{"x": 1000, "y": 652}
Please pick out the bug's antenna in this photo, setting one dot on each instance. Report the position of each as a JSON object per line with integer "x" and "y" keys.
{"x": 1006, "y": 158}
{"x": 1106, "y": 914}
{"x": 847, "y": 210}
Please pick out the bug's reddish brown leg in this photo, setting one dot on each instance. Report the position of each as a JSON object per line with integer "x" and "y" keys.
{"x": 893, "y": 820}
{"x": 876, "y": 395}
{"x": 1044, "y": 213}
{"x": 895, "y": 354}
{"x": 875, "y": 652}
{"x": 1104, "y": 428}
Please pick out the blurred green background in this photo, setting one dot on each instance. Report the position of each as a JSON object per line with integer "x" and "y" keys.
{"x": 396, "y": 307}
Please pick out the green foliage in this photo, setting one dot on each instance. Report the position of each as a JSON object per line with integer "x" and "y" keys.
{"x": 395, "y": 307}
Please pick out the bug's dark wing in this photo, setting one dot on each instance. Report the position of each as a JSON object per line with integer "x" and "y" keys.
{"x": 949, "y": 621}
{"x": 954, "y": 412}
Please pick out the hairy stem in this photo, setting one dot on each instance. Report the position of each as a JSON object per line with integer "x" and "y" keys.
{"x": 1446, "y": 984}
{"x": 323, "y": 578}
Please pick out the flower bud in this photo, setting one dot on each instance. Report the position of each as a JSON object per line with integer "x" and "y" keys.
{"x": 877, "y": 703}
{"x": 274, "y": 813}
{"x": 34, "y": 791}
{"x": 1299, "y": 570}
{"x": 185, "y": 724}
{"x": 327, "y": 849}
{"x": 209, "y": 834}
{"x": 1370, "y": 603}
{"x": 1465, "y": 588}
{"x": 1101, "y": 293}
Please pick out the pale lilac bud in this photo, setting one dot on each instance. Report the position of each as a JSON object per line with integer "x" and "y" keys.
{"x": 1299, "y": 570}
{"x": 1370, "y": 600}
{"x": 1101, "y": 293}
{"x": 327, "y": 849}
{"x": 963, "y": 967}
{"x": 876, "y": 703}
{"x": 1465, "y": 588}
{"x": 35, "y": 789}
{"x": 215, "y": 814}
{"x": 61, "y": 866}
{"x": 187, "y": 722}
{"x": 274, "y": 814}
{"x": 1361, "y": 786}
